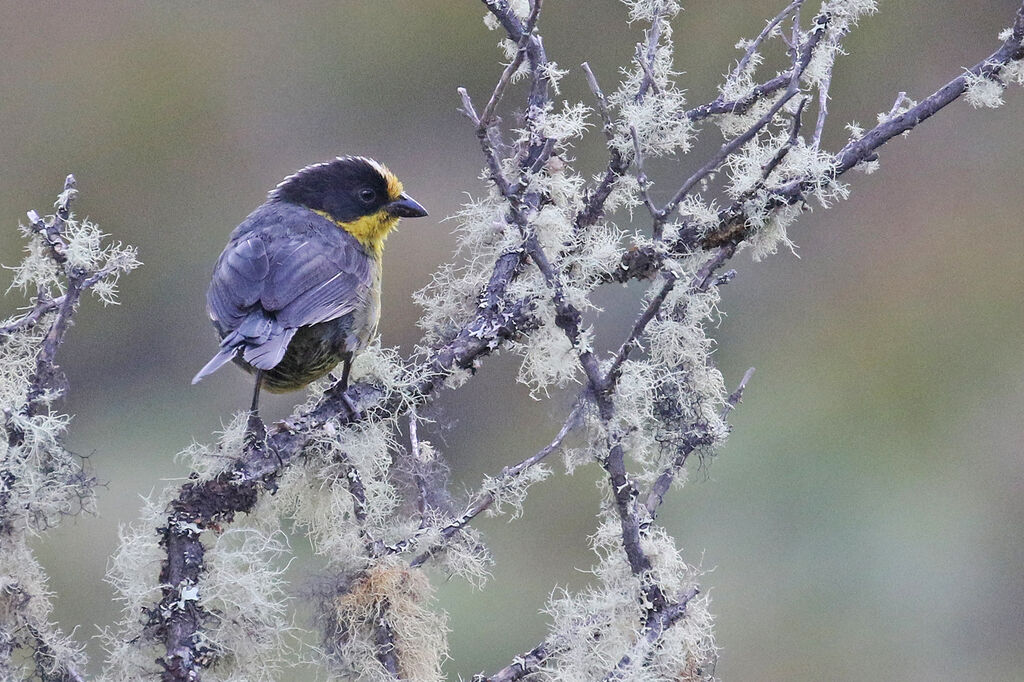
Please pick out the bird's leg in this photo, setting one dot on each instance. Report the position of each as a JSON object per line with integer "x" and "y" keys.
{"x": 255, "y": 409}
{"x": 256, "y": 430}
{"x": 345, "y": 370}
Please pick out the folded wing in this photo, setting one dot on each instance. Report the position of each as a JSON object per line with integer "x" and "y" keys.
{"x": 264, "y": 289}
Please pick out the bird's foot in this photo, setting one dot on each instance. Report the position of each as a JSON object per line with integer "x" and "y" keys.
{"x": 354, "y": 412}
{"x": 256, "y": 436}
{"x": 255, "y": 430}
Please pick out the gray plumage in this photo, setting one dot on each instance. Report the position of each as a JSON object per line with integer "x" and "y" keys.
{"x": 290, "y": 280}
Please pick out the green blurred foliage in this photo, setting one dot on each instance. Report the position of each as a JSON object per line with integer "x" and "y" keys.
{"x": 864, "y": 520}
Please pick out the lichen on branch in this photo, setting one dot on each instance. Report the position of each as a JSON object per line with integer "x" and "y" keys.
{"x": 201, "y": 573}
{"x": 41, "y": 481}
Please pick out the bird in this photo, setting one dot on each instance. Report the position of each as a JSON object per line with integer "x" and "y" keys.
{"x": 297, "y": 288}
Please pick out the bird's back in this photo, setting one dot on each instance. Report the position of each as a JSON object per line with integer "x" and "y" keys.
{"x": 290, "y": 277}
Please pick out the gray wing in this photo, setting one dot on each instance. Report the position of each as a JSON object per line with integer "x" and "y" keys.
{"x": 307, "y": 284}
{"x": 264, "y": 289}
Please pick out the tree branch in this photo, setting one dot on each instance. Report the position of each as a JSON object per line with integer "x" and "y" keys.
{"x": 732, "y": 219}
{"x": 43, "y": 306}
{"x": 664, "y": 481}
{"x": 500, "y": 318}
{"x": 595, "y": 199}
{"x": 486, "y": 497}
{"x": 655, "y": 626}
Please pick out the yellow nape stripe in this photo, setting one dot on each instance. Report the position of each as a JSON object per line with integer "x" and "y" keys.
{"x": 370, "y": 230}
{"x": 394, "y": 184}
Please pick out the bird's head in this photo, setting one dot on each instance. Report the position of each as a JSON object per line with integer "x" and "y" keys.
{"x": 357, "y": 194}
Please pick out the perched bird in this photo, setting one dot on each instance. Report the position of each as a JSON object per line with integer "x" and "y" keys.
{"x": 297, "y": 288}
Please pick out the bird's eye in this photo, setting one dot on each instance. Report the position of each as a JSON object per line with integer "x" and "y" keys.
{"x": 367, "y": 195}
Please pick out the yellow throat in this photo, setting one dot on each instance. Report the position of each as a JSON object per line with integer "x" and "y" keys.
{"x": 372, "y": 230}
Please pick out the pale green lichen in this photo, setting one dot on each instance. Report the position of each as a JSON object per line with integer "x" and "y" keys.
{"x": 41, "y": 481}
{"x": 983, "y": 91}
{"x": 25, "y": 617}
{"x": 1012, "y": 72}
{"x": 672, "y": 397}
{"x": 318, "y": 495}
{"x": 387, "y": 596}
{"x": 509, "y": 492}
{"x": 658, "y": 116}
{"x": 649, "y": 10}
{"x": 88, "y": 250}
{"x": 244, "y": 592}
{"x": 596, "y": 627}
{"x": 133, "y": 573}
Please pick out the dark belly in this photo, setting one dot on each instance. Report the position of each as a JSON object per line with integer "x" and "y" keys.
{"x": 313, "y": 352}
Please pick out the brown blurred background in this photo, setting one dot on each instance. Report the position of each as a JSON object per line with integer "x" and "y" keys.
{"x": 864, "y": 521}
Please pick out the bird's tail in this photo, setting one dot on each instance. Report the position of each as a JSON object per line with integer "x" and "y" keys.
{"x": 260, "y": 340}
{"x": 269, "y": 352}
{"x": 221, "y": 358}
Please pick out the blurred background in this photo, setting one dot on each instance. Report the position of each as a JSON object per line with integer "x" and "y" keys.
{"x": 864, "y": 520}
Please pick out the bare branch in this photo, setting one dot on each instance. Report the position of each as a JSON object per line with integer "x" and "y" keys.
{"x": 736, "y": 397}
{"x": 819, "y": 126}
{"x": 700, "y": 283}
{"x": 756, "y": 43}
{"x": 769, "y": 87}
{"x": 487, "y": 145}
{"x": 487, "y": 116}
{"x": 646, "y": 51}
{"x": 486, "y": 497}
{"x": 602, "y": 102}
{"x": 780, "y": 155}
{"x": 52, "y": 232}
{"x": 523, "y": 665}
{"x": 642, "y": 180}
{"x": 802, "y": 58}
{"x": 42, "y": 307}
{"x": 594, "y": 202}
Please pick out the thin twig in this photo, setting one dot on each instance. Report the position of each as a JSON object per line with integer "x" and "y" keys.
{"x": 607, "y": 127}
{"x": 646, "y": 54}
{"x": 417, "y": 475}
{"x": 783, "y": 151}
{"x": 756, "y": 43}
{"x": 742, "y": 104}
{"x": 40, "y": 309}
{"x": 733, "y": 220}
{"x": 53, "y": 232}
{"x": 657, "y": 623}
{"x": 596, "y": 197}
{"x": 490, "y": 153}
{"x": 487, "y": 115}
{"x": 644, "y": 183}
{"x": 819, "y": 126}
{"x": 801, "y": 60}
{"x": 664, "y": 481}
{"x": 486, "y": 497}
{"x": 523, "y": 665}
{"x": 700, "y": 282}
